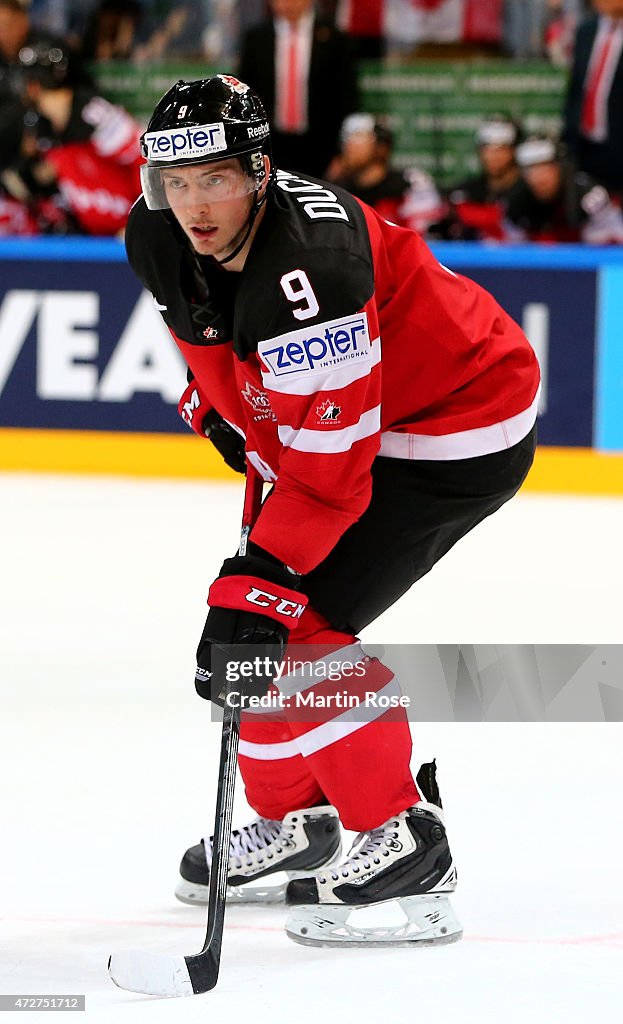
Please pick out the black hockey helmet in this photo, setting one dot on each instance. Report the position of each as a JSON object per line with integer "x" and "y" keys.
{"x": 202, "y": 122}
{"x": 49, "y": 62}
{"x": 499, "y": 130}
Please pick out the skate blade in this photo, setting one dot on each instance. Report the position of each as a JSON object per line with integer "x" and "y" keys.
{"x": 192, "y": 894}
{"x": 413, "y": 921}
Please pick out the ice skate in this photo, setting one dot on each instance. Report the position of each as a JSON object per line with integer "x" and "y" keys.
{"x": 264, "y": 856}
{"x": 391, "y": 890}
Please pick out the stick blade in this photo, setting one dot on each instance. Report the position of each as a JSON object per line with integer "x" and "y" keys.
{"x": 153, "y": 974}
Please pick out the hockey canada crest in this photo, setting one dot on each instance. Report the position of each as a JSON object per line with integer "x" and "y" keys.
{"x": 236, "y": 84}
{"x": 259, "y": 402}
{"x": 210, "y": 333}
{"x": 328, "y": 412}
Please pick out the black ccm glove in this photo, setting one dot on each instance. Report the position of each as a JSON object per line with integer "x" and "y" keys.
{"x": 196, "y": 411}
{"x": 253, "y": 608}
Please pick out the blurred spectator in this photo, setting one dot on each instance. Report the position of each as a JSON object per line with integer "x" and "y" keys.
{"x": 21, "y": 208}
{"x": 497, "y": 138}
{"x": 221, "y": 34}
{"x": 164, "y": 29}
{"x": 87, "y": 149}
{"x": 305, "y": 72}
{"x": 66, "y": 18}
{"x": 14, "y": 216}
{"x": 408, "y": 198}
{"x": 14, "y": 30}
{"x": 111, "y": 30}
{"x": 537, "y": 28}
{"x": 479, "y": 205}
{"x": 559, "y": 25}
{"x": 204, "y": 29}
{"x": 564, "y": 205}
{"x": 593, "y": 115}
{"x": 523, "y": 27}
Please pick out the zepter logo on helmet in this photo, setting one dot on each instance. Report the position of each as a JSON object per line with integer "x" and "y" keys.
{"x": 218, "y": 124}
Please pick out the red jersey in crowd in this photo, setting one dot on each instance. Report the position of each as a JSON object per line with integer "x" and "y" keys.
{"x": 96, "y": 161}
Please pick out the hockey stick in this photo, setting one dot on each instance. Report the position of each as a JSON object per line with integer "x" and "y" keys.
{"x": 157, "y": 974}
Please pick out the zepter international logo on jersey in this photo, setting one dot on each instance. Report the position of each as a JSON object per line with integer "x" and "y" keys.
{"x": 186, "y": 143}
{"x": 333, "y": 345}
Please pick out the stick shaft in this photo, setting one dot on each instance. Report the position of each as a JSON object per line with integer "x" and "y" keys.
{"x": 203, "y": 968}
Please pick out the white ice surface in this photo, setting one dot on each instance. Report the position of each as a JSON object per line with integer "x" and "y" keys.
{"x": 109, "y": 763}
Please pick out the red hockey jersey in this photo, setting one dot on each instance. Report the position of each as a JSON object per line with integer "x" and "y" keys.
{"x": 343, "y": 339}
{"x": 96, "y": 162}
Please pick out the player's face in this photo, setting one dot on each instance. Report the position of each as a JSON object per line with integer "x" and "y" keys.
{"x": 544, "y": 180}
{"x": 358, "y": 151}
{"x": 497, "y": 159}
{"x": 211, "y": 203}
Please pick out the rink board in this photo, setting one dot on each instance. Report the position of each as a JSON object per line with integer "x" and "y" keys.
{"x": 555, "y": 470}
{"x": 90, "y": 379}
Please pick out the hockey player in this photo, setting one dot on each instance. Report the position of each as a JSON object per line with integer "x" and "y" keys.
{"x": 391, "y": 403}
{"x": 86, "y": 144}
{"x": 480, "y": 205}
{"x": 407, "y": 197}
{"x": 563, "y": 204}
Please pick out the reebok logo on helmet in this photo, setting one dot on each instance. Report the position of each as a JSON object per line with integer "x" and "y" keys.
{"x": 186, "y": 143}
{"x": 259, "y": 131}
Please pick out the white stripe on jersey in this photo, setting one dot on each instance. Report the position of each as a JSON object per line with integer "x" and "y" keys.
{"x": 268, "y": 751}
{"x": 464, "y": 444}
{"x": 326, "y": 442}
{"x": 324, "y": 735}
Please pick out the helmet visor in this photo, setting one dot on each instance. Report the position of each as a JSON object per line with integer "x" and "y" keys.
{"x": 194, "y": 185}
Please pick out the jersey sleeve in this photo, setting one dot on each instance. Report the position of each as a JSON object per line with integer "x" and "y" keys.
{"x": 116, "y": 134}
{"x": 322, "y": 372}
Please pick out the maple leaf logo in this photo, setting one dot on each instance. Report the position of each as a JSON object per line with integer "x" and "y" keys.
{"x": 236, "y": 84}
{"x": 328, "y": 412}
{"x": 259, "y": 400}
